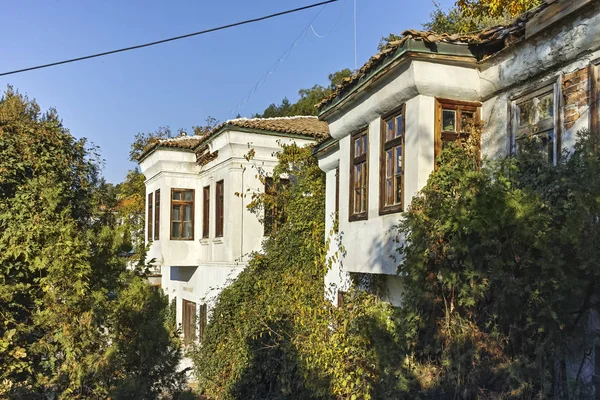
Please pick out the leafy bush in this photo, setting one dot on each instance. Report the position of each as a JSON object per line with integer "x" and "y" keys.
{"x": 61, "y": 333}
{"x": 500, "y": 266}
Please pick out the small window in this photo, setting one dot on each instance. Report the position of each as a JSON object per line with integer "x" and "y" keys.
{"x": 157, "y": 215}
{"x": 337, "y": 196}
{"x": 452, "y": 120}
{"x": 203, "y": 322}
{"x": 274, "y": 212}
{"x": 391, "y": 169}
{"x": 149, "y": 217}
{"x": 359, "y": 180}
{"x": 182, "y": 214}
{"x": 595, "y": 97}
{"x": 534, "y": 119}
{"x": 188, "y": 321}
{"x": 205, "y": 212}
{"x": 219, "y": 212}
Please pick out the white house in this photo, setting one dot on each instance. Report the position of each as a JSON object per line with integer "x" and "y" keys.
{"x": 198, "y": 226}
{"x": 538, "y": 75}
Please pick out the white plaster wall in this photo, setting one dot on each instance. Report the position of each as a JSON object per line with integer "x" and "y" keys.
{"x": 197, "y": 270}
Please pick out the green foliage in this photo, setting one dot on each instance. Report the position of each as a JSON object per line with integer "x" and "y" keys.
{"x": 309, "y": 98}
{"x": 495, "y": 8}
{"x": 273, "y": 335}
{"x": 500, "y": 268}
{"x": 454, "y": 20}
{"x": 60, "y": 334}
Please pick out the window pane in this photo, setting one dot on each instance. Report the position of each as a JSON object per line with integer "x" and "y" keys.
{"x": 176, "y": 213}
{"x": 546, "y": 106}
{"x": 357, "y": 171}
{"x": 188, "y": 196}
{"x": 175, "y": 229}
{"x": 398, "y": 189}
{"x": 187, "y": 230}
{"x": 399, "y": 126}
{"x": 187, "y": 213}
{"x": 357, "y": 148}
{"x": 389, "y": 192}
{"x": 398, "y": 160}
{"x": 449, "y": 120}
{"x": 389, "y": 167}
{"x": 176, "y": 195}
{"x": 526, "y": 113}
{"x": 389, "y": 130}
{"x": 364, "y": 144}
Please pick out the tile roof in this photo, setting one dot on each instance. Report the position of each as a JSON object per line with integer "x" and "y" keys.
{"x": 497, "y": 37}
{"x": 298, "y": 125}
{"x": 180, "y": 142}
{"x": 308, "y": 126}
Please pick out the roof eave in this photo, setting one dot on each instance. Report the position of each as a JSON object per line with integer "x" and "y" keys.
{"x": 411, "y": 50}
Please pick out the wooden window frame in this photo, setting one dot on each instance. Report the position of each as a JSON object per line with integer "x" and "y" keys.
{"x": 189, "y": 314}
{"x": 220, "y": 209}
{"x": 149, "y": 213}
{"x": 271, "y": 189}
{"x": 182, "y": 203}
{"x": 202, "y": 321}
{"x": 337, "y": 198}
{"x": 356, "y": 160}
{"x": 384, "y": 148}
{"x": 459, "y": 106}
{"x": 157, "y": 214}
{"x": 594, "y": 79}
{"x": 533, "y": 92}
{"x": 206, "y": 212}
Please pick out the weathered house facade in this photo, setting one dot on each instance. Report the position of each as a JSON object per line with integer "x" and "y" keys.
{"x": 538, "y": 76}
{"x": 198, "y": 226}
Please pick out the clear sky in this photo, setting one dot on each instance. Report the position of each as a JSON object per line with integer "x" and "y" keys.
{"x": 178, "y": 84}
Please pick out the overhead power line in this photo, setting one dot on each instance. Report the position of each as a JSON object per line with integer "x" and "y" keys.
{"x": 139, "y": 46}
{"x": 286, "y": 54}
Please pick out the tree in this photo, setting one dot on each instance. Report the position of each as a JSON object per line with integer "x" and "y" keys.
{"x": 498, "y": 266}
{"x": 273, "y": 335}
{"x": 469, "y": 17}
{"x": 309, "y": 98}
{"x": 60, "y": 267}
{"x": 496, "y": 8}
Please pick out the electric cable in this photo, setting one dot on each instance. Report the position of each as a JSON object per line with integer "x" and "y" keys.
{"x": 139, "y": 46}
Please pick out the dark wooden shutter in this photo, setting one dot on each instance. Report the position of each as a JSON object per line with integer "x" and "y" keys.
{"x": 157, "y": 215}
{"x": 203, "y": 321}
{"x": 206, "y": 211}
{"x": 219, "y": 210}
{"x": 188, "y": 321}
{"x": 149, "y": 217}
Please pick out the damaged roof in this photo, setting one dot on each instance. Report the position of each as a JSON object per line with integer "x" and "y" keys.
{"x": 181, "y": 142}
{"x": 481, "y": 45}
{"x": 308, "y": 126}
{"x": 298, "y": 125}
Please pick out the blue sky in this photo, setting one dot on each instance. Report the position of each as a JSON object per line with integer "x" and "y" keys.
{"x": 178, "y": 84}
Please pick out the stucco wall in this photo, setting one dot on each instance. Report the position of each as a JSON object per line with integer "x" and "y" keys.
{"x": 196, "y": 270}
{"x": 556, "y": 55}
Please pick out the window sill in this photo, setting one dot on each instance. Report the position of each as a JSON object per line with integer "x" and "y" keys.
{"x": 182, "y": 240}
{"x": 218, "y": 240}
{"x": 358, "y": 217}
{"x": 391, "y": 210}
{"x": 204, "y": 241}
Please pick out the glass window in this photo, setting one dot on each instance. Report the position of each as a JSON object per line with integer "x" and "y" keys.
{"x": 359, "y": 177}
{"x": 182, "y": 214}
{"x": 454, "y": 118}
{"x": 534, "y": 123}
{"x": 392, "y": 168}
